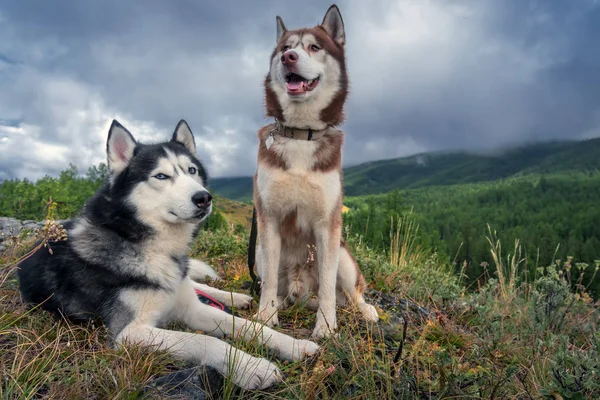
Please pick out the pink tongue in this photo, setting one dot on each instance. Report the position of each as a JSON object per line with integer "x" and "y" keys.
{"x": 294, "y": 86}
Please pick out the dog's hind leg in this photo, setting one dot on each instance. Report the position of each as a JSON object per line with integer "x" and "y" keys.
{"x": 199, "y": 270}
{"x": 219, "y": 323}
{"x": 351, "y": 285}
{"x": 368, "y": 311}
{"x": 231, "y": 299}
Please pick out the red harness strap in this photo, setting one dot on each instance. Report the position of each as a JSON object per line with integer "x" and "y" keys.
{"x": 211, "y": 301}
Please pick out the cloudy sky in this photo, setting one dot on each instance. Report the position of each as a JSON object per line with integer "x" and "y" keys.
{"x": 425, "y": 74}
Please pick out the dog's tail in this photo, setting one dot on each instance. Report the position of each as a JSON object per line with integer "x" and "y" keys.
{"x": 255, "y": 288}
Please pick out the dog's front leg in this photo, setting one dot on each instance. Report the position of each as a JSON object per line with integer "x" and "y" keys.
{"x": 218, "y": 323}
{"x": 147, "y": 307}
{"x": 270, "y": 242}
{"x": 328, "y": 256}
{"x": 245, "y": 370}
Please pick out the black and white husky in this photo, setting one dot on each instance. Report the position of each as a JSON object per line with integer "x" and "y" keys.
{"x": 125, "y": 261}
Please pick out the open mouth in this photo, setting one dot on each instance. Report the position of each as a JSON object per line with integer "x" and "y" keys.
{"x": 296, "y": 84}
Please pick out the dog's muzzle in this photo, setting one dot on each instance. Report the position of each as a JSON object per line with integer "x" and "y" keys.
{"x": 202, "y": 199}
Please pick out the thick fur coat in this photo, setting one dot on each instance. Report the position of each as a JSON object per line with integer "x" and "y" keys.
{"x": 125, "y": 262}
{"x": 298, "y": 182}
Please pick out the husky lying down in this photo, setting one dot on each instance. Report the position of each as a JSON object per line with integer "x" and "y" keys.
{"x": 125, "y": 261}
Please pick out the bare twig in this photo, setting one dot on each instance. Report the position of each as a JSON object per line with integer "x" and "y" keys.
{"x": 398, "y": 355}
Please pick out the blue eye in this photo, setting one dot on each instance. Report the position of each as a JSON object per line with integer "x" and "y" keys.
{"x": 192, "y": 170}
{"x": 161, "y": 176}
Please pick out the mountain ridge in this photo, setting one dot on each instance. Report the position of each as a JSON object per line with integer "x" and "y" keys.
{"x": 443, "y": 168}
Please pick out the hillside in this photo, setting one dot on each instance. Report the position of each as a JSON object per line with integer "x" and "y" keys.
{"x": 449, "y": 168}
{"x": 554, "y": 218}
{"x": 543, "y": 194}
{"x": 234, "y": 212}
{"x": 233, "y": 188}
{"x": 503, "y": 321}
{"x": 436, "y": 337}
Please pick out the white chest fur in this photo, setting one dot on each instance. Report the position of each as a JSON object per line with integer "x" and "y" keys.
{"x": 161, "y": 265}
{"x": 312, "y": 194}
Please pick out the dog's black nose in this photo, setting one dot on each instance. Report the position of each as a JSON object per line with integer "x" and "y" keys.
{"x": 202, "y": 199}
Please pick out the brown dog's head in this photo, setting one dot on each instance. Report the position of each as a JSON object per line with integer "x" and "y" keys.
{"x": 307, "y": 84}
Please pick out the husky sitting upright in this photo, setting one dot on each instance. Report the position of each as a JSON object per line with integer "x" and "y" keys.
{"x": 298, "y": 181}
{"x": 125, "y": 261}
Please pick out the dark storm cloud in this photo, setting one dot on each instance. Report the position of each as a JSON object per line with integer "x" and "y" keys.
{"x": 515, "y": 72}
{"x": 426, "y": 75}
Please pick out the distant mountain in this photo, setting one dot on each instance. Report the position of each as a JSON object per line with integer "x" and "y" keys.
{"x": 239, "y": 189}
{"x": 449, "y": 168}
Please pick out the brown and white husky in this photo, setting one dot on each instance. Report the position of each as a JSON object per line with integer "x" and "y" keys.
{"x": 298, "y": 182}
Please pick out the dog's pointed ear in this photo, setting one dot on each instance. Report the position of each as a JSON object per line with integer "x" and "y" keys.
{"x": 119, "y": 147}
{"x": 334, "y": 25}
{"x": 183, "y": 134}
{"x": 281, "y": 29}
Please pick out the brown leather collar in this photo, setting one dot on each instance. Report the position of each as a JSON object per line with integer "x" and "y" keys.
{"x": 296, "y": 133}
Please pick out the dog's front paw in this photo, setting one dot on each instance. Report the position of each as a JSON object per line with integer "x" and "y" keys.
{"x": 282, "y": 303}
{"x": 241, "y": 301}
{"x": 304, "y": 348}
{"x": 296, "y": 349}
{"x": 267, "y": 313}
{"x": 322, "y": 330}
{"x": 268, "y": 317}
{"x": 256, "y": 373}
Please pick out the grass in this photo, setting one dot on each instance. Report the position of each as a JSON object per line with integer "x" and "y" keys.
{"x": 515, "y": 336}
{"x": 234, "y": 212}
{"x": 505, "y": 272}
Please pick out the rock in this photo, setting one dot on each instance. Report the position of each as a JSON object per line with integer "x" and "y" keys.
{"x": 397, "y": 306}
{"x": 197, "y": 383}
{"x": 31, "y": 225}
{"x": 397, "y": 309}
{"x": 13, "y": 227}
{"x": 8, "y": 227}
